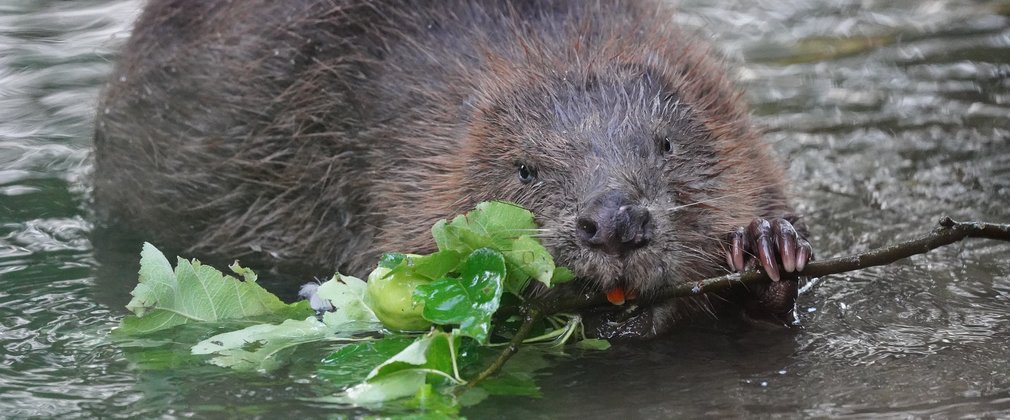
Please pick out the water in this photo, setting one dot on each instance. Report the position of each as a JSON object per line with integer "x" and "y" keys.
{"x": 888, "y": 114}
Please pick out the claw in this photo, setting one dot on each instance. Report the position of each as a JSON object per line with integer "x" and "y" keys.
{"x": 737, "y": 250}
{"x": 762, "y": 230}
{"x": 786, "y": 238}
{"x": 771, "y": 245}
{"x": 767, "y": 257}
{"x": 803, "y": 254}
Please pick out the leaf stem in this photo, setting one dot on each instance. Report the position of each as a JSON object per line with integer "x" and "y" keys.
{"x": 559, "y": 328}
{"x": 455, "y": 363}
{"x": 573, "y": 324}
{"x": 440, "y": 373}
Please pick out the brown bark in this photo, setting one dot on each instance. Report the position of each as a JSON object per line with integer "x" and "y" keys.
{"x": 948, "y": 232}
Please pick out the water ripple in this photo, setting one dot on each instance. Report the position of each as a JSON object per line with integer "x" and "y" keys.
{"x": 887, "y": 115}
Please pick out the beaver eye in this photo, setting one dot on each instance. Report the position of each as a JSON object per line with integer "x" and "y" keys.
{"x": 526, "y": 173}
{"x": 667, "y": 145}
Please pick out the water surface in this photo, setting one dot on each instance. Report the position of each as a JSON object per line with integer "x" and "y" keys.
{"x": 888, "y": 115}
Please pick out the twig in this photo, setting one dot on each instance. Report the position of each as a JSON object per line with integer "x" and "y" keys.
{"x": 948, "y": 232}
{"x": 533, "y": 315}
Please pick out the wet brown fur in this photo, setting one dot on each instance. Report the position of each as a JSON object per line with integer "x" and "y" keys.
{"x": 318, "y": 133}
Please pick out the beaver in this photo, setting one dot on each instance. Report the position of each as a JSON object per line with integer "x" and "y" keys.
{"x": 313, "y": 135}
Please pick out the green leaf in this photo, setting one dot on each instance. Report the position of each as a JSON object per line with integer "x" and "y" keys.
{"x": 246, "y": 273}
{"x": 412, "y": 356}
{"x": 193, "y": 293}
{"x": 352, "y": 363}
{"x": 431, "y": 404}
{"x": 259, "y": 347}
{"x": 168, "y": 349}
{"x": 431, "y": 351}
{"x": 347, "y": 294}
{"x": 155, "y": 275}
{"x": 562, "y": 275}
{"x": 593, "y": 344}
{"x": 398, "y": 385}
{"x": 505, "y": 227}
{"x": 525, "y": 255}
{"x": 432, "y": 267}
{"x": 473, "y": 396}
{"x": 469, "y": 300}
{"x": 429, "y": 357}
{"x": 392, "y": 259}
{"x": 506, "y": 383}
{"x": 499, "y": 219}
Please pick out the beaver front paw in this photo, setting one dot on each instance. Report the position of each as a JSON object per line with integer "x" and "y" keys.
{"x": 774, "y": 244}
{"x": 770, "y": 242}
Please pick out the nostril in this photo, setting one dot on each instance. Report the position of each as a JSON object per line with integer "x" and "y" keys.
{"x": 587, "y": 229}
{"x": 614, "y": 225}
{"x": 646, "y": 227}
{"x": 635, "y": 227}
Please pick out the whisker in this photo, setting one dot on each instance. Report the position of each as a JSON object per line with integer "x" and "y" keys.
{"x": 742, "y": 192}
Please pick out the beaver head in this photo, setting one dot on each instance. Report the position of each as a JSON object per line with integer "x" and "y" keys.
{"x": 624, "y": 167}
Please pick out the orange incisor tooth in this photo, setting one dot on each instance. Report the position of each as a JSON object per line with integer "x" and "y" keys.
{"x": 616, "y": 296}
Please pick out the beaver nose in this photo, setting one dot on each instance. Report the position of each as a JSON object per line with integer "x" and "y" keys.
{"x": 615, "y": 225}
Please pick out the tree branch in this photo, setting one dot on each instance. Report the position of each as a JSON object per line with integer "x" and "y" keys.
{"x": 948, "y": 232}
